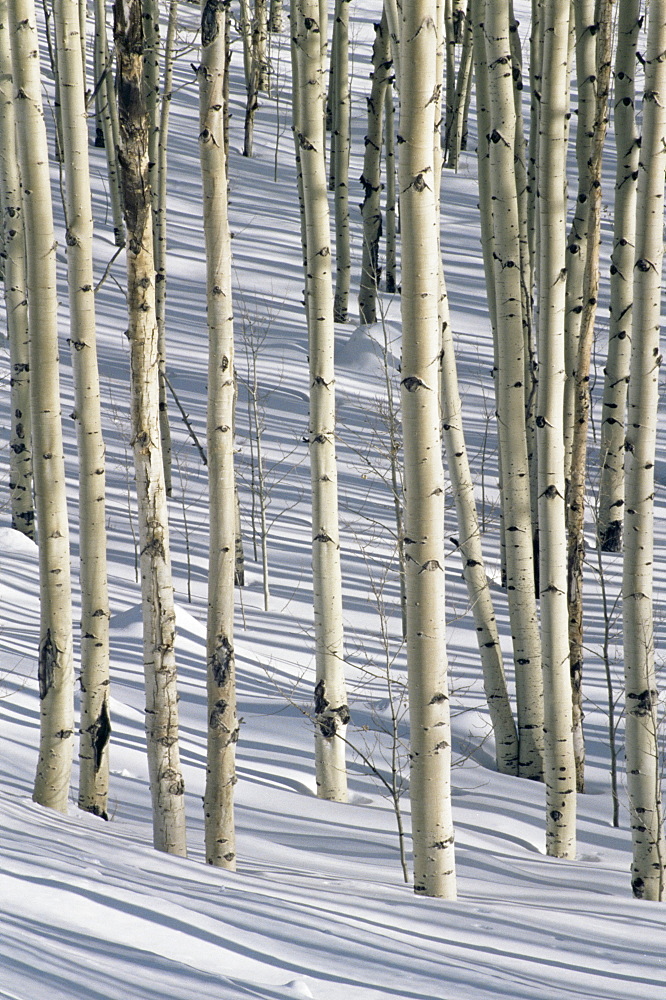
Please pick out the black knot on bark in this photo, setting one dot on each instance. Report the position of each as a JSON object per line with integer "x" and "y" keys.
{"x": 412, "y": 383}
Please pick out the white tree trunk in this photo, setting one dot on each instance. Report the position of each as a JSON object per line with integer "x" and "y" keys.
{"x": 430, "y": 792}
{"x": 560, "y": 770}
{"x": 341, "y": 103}
{"x": 616, "y": 373}
{"x": 159, "y": 619}
{"x": 586, "y": 69}
{"x": 222, "y": 720}
{"x": 371, "y": 178}
{"x": 510, "y": 390}
{"x": 12, "y": 242}
{"x": 469, "y": 543}
{"x": 108, "y": 117}
{"x": 95, "y": 698}
{"x": 55, "y": 667}
{"x": 644, "y": 774}
{"x": 575, "y": 499}
{"x": 331, "y": 711}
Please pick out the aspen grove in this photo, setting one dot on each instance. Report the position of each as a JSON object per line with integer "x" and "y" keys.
{"x": 424, "y": 400}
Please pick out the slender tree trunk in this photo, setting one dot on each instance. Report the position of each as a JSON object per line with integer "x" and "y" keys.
{"x": 341, "y": 123}
{"x": 575, "y": 505}
{"x": 107, "y": 116}
{"x": 391, "y": 196}
{"x": 560, "y": 770}
{"x": 95, "y": 699}
{"x": 55, "y": 665}
{"x": 430, "y": 793}
{"x": 371, "y": 181}
{"x": 469, "y": 543}
{"x": 16, "y": 302}
{"x": 454, "y": 138}
{"x": 577, "y": 246}
{"x": 644, "y": 775}
{"x": 616, "y": 373}
{"x": 159, "y": 619}
{"x": 260, "y": 45}
{"x": 159, "y": 147}
{"x": 331, "y": 711}
{"x": 222, "y": 720}
{"x": 276, "y": 17}
{"x": 511, "y": 394}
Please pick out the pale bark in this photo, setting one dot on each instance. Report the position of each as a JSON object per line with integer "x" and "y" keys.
{"x": 469, "y": 544}
{"x": 260, "y": 45}
{"x": 159, "y": 619}
{"x": 222, "y": 719}
{"x": 510, "y": 390}
{"x": 276, "y": 17}
{"x": 577, "y": 246}
{"x": 55, "y": 664}
{"x": 371, "y": 212}
{"x": 391, "y": 8}
{"x": 12, "y": 246}
{"x": 616, "y": 373}
{"x": 560, "y": 771}
{"x": 107, "y": 116}
{"x": 331, "y": 711}
{"x": 95, "y": 699}
{"x": 391, "y": 196}
{"x": 341, "y": 104}
{"x": 644, "y": 775}
{"x": 575, "y": 498}
{"x": 430, "y": 791}
{"x": 159, "y": 188}
{"x": 455, "y": 137}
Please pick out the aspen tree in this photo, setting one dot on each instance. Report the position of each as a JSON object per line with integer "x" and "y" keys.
{"x": 107, "y": 116}
{"x": 392, "y": 10}
{"x": 616, "y": 372}
{"x": 586, "y": 69}
{"x": 391, "y": 194}
{"x": 575, "y": 505}
{"x": 95, "y": 719}
{"x": 456, "y": 130}
{"x": 371, "y": 181}
{"x": 331, "y": 711}
{"x": 510, "y": 392}
{"x": 275, "y": 17}
{"x": 159, "y": 619}
{"x": 641, "y": 746}
{"x": 55, "y": 664}
{"x": 430, "y": 791}
{"x": 469, "y": 543}
{"x": 560, "y": 771}
{"x": 536, "y": 59}
{"x": 222, "y": 720}
{"x": 12, "y": 244}
{"x": 340, "y": 166}
{"x": 260, "y": 44}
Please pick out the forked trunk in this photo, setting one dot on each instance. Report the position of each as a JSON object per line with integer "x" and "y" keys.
{"x": 159, "y": 618}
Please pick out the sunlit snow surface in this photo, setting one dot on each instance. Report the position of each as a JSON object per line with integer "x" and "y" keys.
{"x": 318, "y": 907}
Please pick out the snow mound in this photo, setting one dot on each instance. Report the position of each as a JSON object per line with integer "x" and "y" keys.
{"x": 369, "y": 348}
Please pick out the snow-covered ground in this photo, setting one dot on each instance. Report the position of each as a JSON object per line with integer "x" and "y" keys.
{"x": 318, "y": 907}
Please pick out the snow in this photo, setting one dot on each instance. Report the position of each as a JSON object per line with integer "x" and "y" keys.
{"x": 317, "y": 907}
